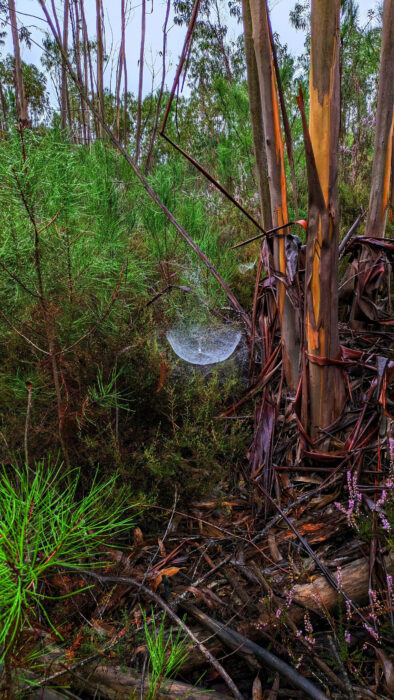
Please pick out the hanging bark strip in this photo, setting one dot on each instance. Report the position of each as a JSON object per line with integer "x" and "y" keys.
{"x": 324, "y": 385}
{"x": 151, "y": 192}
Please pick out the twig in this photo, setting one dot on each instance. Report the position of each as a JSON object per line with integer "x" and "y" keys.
{"x": 7, "y": 320}
{"x": 27, "y": 423}
{"x": 352, "y": 230}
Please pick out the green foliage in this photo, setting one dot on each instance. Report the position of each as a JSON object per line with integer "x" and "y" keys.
{"x": 166, "y": 655}
{"x": 44, "y": 526}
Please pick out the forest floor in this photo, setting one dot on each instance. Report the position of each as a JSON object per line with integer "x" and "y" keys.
{"x": 288, "y": 596}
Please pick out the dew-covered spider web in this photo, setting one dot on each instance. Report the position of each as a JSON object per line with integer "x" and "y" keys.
{"x": 204, "y": 345}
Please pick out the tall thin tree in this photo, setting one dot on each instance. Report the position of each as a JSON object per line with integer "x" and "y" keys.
{"x": 140, "y": 83}
{"x": 20, "y": 98}
{"x": 100, "y": 64}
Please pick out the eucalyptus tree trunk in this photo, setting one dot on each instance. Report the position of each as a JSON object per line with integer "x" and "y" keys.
{"x": 20, "y": 98}
{"x": 324, "y": 387}
{"x": 373, "y": 265}
{"x": 381, "y": 167}
{"x": 256, "y": 117}
{"x": 289, "y": 320}
{"x": 140, "y": 84}
{"x": 64, "y": 101}
{"x": 100, "y": 65}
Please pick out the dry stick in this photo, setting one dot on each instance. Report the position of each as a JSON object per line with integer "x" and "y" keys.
{"x": 8, "y": 322}
{"x": 237, "y": 641}
{"x": 151, "y": 192}
{"x": 151, "y": 594}
{"x": 352, "y": 230}
{"x": 27, "y": 423}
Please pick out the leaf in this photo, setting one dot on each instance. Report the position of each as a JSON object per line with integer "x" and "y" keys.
{"x": 170, "y": 571}
{"x": 138, "y": 537}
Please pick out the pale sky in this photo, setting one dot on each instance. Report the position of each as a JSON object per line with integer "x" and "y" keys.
{"x": 30, "y": 14}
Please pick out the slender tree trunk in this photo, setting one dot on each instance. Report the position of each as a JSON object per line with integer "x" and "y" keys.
{"x": 20, "y": 98}
{"x": 100, "y": 64}
{"x": 3, "y": 106}
{"x": 380, "y": 185}
{"x": 373, "y": 265}
{"x": 256, "y": 120}
{"x": 325, "y": 385}
{"x": 64, "y": 104}
{"x": 77, "y": 44}
{"x": 88, "y": 68}
{"x": 290, "y": 330}
{"x": 119, "y": 69}
{"x": 161, "y": 91}
{"x": 140, "y": 83}
{"x": 125, "y": 100}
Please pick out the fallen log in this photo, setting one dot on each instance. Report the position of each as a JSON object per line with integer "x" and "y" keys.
{"x": 320, "y": 596}
{"x": 114, "y": 682}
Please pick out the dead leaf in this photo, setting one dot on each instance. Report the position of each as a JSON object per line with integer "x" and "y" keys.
{"x": 170, "y": 571}
{"x": 138, "y": 537}
{"x": 257, "y": 689}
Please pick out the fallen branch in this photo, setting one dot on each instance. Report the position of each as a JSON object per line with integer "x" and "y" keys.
{"x": 246, "y": 647}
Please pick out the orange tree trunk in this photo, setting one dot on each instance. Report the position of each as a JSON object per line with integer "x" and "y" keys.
{"x": 277, "y": 184}
{"x": 324, "y": 382}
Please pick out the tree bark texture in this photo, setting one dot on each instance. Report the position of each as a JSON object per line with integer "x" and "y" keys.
{"x": 277, "y": 184}
{"x": 324, "y": 385}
